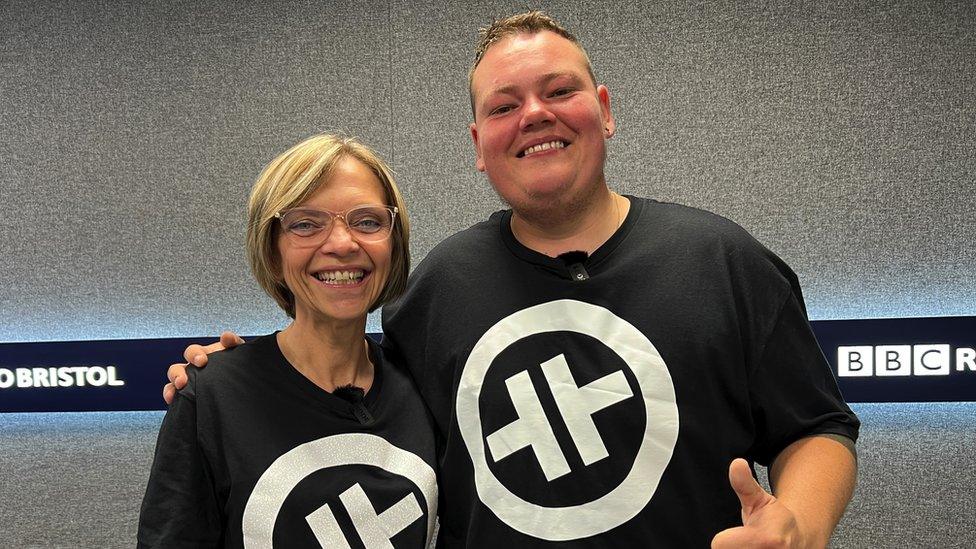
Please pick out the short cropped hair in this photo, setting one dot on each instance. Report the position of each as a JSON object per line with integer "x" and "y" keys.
{"x": 524, "y": 23}
{"x": 287, "y": 182}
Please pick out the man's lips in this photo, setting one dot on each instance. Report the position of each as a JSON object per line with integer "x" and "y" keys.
{"x": 544, "y": 146}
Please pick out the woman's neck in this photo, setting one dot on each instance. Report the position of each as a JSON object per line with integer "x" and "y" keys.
{"x": 330, "y": 355}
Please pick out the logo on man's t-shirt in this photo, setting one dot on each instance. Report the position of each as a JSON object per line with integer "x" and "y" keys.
{"x": 403, "y": 472}
{"x": 568, "y": 413}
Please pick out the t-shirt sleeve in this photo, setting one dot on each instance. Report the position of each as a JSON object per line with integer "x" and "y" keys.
{"x": 180, "y": 508}
{"x": 793, "y": 392}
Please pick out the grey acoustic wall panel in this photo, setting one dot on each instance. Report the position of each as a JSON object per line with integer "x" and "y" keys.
{"x": 132, "y": 133}
{"x": 434, "y": 157}
{"x": 841, "y": 135}
{"x": 74, "y": 480}
{"x": 915, "y": 479}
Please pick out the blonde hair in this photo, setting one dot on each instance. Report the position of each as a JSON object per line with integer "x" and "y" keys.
{"x": 524, "y": 23}
{"x": 288, "y": 181}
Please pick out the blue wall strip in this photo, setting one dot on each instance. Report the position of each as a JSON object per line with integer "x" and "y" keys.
{"x": 882, "y": 360}
{"x": 902, "y": 359}
{"x": 111, "y": 375}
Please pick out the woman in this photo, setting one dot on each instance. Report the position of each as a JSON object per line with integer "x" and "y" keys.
{"x": 305, "y": 437}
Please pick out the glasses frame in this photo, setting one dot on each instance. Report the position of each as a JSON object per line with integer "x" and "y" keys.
{"x": 319, "y": 238}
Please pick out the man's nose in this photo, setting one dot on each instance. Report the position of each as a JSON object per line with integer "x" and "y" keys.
{"x": 535, "y": 112}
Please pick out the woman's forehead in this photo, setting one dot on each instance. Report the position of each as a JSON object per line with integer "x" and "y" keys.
{"x": 350, "y": 180}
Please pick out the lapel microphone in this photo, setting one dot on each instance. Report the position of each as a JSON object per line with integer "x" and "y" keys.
{"x": 574, "y": 262}
{"x": 355, "y": 395}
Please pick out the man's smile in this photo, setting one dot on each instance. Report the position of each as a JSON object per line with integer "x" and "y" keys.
{"x": 542, "y": 147}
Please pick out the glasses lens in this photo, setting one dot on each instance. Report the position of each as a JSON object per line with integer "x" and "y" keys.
{"x": 370, "y": 222}
{"x": 306, "y": 223}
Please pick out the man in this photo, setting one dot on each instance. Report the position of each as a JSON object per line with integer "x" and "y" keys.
{"x": 594, "y": 362}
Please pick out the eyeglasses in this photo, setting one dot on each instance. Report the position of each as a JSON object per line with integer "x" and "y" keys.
{"x": 310, "y": 227}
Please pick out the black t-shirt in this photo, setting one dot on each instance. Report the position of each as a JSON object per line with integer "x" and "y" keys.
{"x": 252, "y": 453}
{"x": 600, "y": 403}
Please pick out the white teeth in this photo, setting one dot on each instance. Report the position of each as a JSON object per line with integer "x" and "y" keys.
{"x": 543, "y": 147}
{"x": 340, "y": 277}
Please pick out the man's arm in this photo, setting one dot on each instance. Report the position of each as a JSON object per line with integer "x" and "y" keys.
{"x": 196, "y": 355}
{"x": 812, "y": 479}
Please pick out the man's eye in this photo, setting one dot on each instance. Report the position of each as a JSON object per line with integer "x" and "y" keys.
{"x": 562, "y": 91}
{"x": 501, "y": 110}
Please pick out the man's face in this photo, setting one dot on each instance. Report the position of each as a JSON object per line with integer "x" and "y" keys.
{"x": 540, "y": 123}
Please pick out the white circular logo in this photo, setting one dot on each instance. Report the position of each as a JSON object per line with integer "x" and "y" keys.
{"x": 271, "y": 490}
{"x": 628, "y": 498}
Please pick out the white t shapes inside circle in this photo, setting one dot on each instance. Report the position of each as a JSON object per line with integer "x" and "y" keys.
{"x": 628, "y": 498}
{"x": 375, "y": 529}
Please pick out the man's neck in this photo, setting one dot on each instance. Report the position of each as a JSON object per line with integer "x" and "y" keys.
{"x": 584, "y": 229}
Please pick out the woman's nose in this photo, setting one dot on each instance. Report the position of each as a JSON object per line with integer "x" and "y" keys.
{"x": 341, "y": 239}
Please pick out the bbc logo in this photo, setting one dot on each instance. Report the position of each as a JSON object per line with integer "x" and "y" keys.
{"x": 902, "y": 360}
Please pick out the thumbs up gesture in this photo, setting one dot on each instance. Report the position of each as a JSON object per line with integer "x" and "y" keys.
{"x": 765, "y": 521}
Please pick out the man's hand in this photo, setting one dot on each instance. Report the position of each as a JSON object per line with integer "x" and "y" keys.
{"x": 766, "y": 522}
{"x": 196, "y": 355}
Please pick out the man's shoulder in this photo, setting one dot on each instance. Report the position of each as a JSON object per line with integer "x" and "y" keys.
{"x": 446, "y": 270}
{"x": 469, "y": 247}
{"x": 397, "y": 380}
{"x": 712, "y": 239}
{"x": 470, "y": 242}
{"x": 694, "y": 226}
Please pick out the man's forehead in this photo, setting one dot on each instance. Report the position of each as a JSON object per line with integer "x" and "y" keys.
{"x": 542, "y": 44}
{"x": 545, "y": 53}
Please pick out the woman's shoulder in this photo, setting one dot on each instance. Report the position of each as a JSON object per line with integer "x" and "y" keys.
{"x": 244, "y": 364}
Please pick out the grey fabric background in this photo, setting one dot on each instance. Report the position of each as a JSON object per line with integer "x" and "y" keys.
{"x": 842, "y": 134}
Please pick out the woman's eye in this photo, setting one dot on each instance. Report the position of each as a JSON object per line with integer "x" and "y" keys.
{"x": 368, "y": 225}
{"x": 303, "y": 227}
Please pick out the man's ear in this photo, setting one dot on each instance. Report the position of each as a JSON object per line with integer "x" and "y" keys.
{"x": 479, "y": 161}
{"x": 603, "y": 94}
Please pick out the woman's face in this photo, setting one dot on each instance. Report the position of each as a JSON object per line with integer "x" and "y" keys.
{"x": 340, "y": 278}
